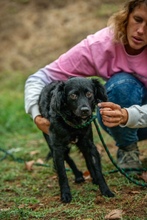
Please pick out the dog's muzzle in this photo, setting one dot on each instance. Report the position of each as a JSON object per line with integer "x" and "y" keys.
{"x": 85, "y": 112}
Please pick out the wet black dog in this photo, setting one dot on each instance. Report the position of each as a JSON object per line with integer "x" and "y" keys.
{"x": 69, "y": 106}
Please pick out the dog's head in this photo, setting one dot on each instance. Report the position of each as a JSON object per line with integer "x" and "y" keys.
{"x": 78, "y": 96}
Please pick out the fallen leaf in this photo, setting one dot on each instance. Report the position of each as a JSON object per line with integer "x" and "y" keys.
{"x": 87, "y": 218}
{"x": 50, "y": 186}
{"x": 34, "y": 152}
{"x": 4, "y": 209}
{"x": 99, "y": 148}
{"x": 114, "y": 214}
{"x": 143, "y": 176}
{"x": 57, "y": 198}
{"x": 54, "y": 177}
{"x": 33, "y": 206}
{"x": 21, "y": 206}
{"x": 29, "y": 165}
{"x": 86, "y": 175}
{"x": 40, "y": 161}
{"x": 134, "y": 192}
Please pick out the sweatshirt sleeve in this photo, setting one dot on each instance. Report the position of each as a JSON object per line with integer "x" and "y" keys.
{"x": 33, "y": 87}
{"x": 137, "y": 116}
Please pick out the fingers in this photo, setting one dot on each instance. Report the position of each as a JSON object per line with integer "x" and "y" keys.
{"x": 109, "y": 105}
{"x": 42, "y": 123}
{"x": 111, "y": 114}
{"x": 112, "y": 118}
{"x": 111, "y": 121}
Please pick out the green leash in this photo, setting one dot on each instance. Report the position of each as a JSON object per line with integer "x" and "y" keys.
{"x": 17, "y": 159}
{"x": 94, "y": 118}
{"x": 122, "y": 171}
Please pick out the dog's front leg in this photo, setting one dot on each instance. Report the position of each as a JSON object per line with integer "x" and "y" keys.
{"x": 93, "y": 163}
{"x": 58, "y": 156}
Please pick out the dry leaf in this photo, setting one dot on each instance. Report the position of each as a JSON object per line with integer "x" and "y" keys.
{"x": 134, "y": 192}
{"x": 87, "y": 219}
{"x": 40, "y": 161}
{"x": 5, "y": 209}
{"x": 144, "y": 176}
{"x": 114, "y": 214}
{"x": 34, "y": 152}
{"x": 86, "y": 175}
{"x": 33, "y": 206}
{"x": 99, "y": 148}
{"x": 21, "y": 206}
{"x": 29, "y": 165}
{"x": 54, "y": 177}
{"x": 50, "y": 186}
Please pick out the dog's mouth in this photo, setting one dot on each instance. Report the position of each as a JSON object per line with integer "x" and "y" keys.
{"x": 84, "y": 117}
{"x": 84, "y": 113}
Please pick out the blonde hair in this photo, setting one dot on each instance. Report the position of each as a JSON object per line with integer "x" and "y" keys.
{"x": 118, "y": 21}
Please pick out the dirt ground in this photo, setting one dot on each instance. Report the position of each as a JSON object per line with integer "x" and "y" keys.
{"x": 34, "y": 33}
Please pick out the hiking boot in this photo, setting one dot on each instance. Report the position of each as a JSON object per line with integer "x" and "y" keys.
{"x": 128, "y": 158}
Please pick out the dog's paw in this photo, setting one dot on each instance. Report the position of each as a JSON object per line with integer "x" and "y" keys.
{"x": 66, "y": 197}
{"x": 79, "y": 179}
{"x": 108, "y": 193}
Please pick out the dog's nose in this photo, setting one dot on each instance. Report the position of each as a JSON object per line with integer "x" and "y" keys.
{"x": 84, "y": 110}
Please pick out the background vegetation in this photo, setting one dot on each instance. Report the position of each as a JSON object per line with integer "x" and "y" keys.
{"x": 33, "y": 33}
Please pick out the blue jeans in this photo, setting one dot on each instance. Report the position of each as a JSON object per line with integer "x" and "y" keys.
{"x": 126, "y": 90}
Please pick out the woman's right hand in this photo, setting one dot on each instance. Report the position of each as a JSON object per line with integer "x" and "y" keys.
{"x": 42, "y": 123}
{"x": 112, "y": 114}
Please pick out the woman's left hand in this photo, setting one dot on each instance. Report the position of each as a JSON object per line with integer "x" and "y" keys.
{"x": 112, "y": 114}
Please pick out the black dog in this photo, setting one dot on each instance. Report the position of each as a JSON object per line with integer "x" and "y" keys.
{"x": 69, "y": 106}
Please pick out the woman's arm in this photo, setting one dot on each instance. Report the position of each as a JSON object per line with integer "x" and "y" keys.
{"x": 33, "y": 87}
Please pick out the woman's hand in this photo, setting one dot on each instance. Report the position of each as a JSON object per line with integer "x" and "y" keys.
{"x": 42, "y": 123}
{"x": 112, "y": 114}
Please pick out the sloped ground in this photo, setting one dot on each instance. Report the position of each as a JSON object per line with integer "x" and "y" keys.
{"x": 33, "y": 33}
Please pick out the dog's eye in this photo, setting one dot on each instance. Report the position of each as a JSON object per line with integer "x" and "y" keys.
{"x": 73, "y": 96}
{"x": 89, "y": 94}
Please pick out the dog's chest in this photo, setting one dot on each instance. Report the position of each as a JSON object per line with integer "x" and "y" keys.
{"x": 67, "y": 134}
{"x": 74, "y": 140}
{"x": 76, "y": 135}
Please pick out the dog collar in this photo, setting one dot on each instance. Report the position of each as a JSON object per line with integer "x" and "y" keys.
{"x": 80, "y": 125}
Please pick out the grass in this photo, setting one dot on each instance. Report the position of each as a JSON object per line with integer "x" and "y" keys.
{"x": 35, "y": 194}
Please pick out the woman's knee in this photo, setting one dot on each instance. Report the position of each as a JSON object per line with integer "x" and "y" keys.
{"x": 125, "y": 89}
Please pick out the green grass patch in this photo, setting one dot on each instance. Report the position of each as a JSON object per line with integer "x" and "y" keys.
{"x": 35, "y": 194}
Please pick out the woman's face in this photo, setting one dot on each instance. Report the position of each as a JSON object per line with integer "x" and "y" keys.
{"x": 137, "y": 30}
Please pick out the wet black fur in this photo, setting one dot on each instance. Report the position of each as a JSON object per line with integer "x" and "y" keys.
{"x": 73, "y": 101}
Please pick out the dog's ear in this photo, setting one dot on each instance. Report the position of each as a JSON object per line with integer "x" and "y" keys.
{"x": 99, "y": 91}
{"x": 58, "y": 98}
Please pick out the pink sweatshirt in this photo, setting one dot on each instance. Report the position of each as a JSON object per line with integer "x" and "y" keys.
{"x": 97, "y": 55}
